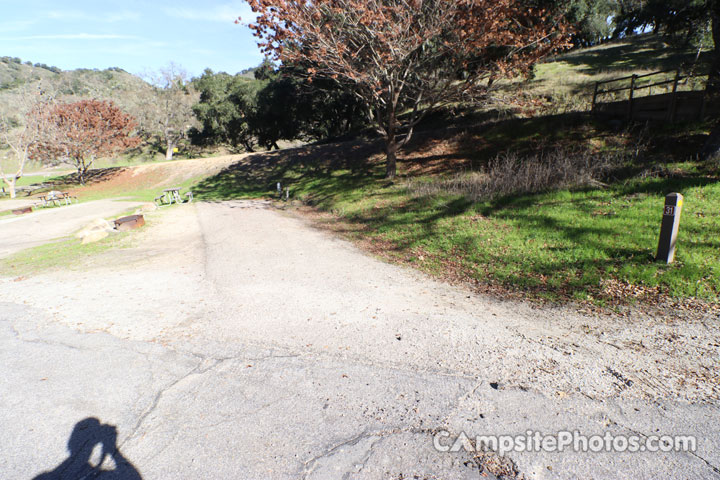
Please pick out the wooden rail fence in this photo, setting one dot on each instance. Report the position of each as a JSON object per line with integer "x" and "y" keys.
{"x": 672, "y": 106}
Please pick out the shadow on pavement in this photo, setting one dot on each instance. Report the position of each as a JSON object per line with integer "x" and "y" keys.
{"x": 84, "y": 439}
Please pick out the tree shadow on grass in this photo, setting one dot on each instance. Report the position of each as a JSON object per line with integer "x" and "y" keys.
{"x": 93, "y": 176}
{"x": 315, "y": 166}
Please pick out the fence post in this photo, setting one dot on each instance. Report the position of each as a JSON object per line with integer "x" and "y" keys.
{"x": 703, "y": 105}
{"x": 630, "y": 100}
{"x": 672, "y": 110}
{"x": 595, "y": 95}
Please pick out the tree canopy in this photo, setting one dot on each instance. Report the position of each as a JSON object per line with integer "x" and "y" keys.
{"x": 224, "y": 109}
{"x": 80, "y": 132}
{"x": 403, "y": 58}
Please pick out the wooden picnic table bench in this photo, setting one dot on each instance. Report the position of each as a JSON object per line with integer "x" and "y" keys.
{"x": 170, "y": 195}
{"x": 51, "y": 197}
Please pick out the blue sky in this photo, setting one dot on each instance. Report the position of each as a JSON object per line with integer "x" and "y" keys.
{"x": 134, "y": 35}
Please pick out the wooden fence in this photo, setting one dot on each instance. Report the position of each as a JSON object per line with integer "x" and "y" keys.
{"x": 683, "y": 99}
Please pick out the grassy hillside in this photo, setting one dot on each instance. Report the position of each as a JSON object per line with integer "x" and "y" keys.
{"x": 116, "y": 84}
{"x": 566, "y": 82}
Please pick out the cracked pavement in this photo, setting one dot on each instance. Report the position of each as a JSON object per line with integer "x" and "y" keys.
{"x": 232, "y": 340}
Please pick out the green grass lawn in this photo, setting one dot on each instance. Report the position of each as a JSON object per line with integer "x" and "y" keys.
{"x": 569, "y": 78}
{"x": 141, "y": 192}
{"x": 67, "y": 253}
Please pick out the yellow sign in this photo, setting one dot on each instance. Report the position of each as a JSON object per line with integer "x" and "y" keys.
{"x": 176, "y": 150}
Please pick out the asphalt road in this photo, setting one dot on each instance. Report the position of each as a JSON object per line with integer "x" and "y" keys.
{"x": 234, "y": 341}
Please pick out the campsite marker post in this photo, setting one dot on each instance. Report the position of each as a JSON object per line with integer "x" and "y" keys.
{"x": 669, "y": 228}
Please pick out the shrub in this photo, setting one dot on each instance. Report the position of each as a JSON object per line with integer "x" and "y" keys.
{"x": 510, "y": 174}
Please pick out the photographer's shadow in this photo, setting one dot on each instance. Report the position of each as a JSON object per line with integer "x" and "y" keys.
{"x": 84, "y": 440}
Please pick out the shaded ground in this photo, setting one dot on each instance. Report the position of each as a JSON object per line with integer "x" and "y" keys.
{"x": 272, "y": 350}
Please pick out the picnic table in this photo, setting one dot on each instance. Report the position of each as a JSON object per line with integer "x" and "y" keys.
{"x": 51, "y": 197}
{"x": 170, "y": 195}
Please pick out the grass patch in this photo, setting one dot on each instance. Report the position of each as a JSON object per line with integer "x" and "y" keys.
{"x": 66, "y": 254}
{"x": 34, "y": 179}
{"x": 118, "y": 182}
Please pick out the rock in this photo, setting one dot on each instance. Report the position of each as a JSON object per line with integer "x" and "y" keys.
{"x": 94, "y": 236}
{"x": 94, "y": 231}
{"x": 96, "y": 225}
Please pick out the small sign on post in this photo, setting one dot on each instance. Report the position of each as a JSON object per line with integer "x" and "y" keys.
{"x": 669, "y": 228}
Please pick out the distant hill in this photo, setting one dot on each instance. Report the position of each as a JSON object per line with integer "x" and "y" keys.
{"x": 115, "y": 84}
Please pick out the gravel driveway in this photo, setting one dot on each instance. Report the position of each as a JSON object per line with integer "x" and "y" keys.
{"x": 232, "y": 340}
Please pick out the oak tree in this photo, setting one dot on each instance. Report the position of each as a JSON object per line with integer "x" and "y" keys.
{"x": 225, "y": 108}
{"x": 79, "y": 132}
{"x": 170, "y": 116}
{"x": 405, "y": 58}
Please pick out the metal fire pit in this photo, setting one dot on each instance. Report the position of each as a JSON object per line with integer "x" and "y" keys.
{"x": 21, "y": 211}
{"x": 129, "y": 223}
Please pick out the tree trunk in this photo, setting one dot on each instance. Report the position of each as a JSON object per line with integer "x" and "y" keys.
{"x": 391, "y": 146}
{"x": 11, "y": 187}
{"x": 391, "y": 149}
{"x": 248, "y": 147}
{"x": 712, "y": 145}
{"x": 82, "y": 168}
{"x": 169, "y": 150}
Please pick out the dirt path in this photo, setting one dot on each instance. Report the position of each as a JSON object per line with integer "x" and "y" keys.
{"x": 234, "y": 341}
{"x": 42, "y": 226}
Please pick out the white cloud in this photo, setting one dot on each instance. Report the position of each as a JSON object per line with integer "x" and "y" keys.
{"x": 227, "y": 13}
{"x": 73, "y": 36}
{"x": 112, "y": 17}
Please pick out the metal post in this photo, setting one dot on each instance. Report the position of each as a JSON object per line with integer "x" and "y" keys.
{"x": 669, "y": 228}
{"x": 287, "y": 193}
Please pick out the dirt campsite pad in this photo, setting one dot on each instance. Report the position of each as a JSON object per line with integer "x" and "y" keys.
{"x": 259, "y": 347}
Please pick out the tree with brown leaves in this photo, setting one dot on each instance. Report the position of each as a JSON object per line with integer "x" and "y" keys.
{"x": 80, "y": 132}
{"x": 405, "y": 58}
